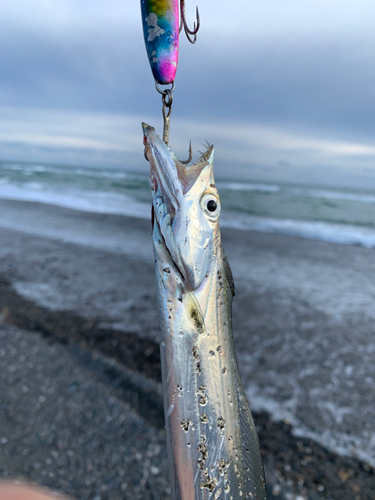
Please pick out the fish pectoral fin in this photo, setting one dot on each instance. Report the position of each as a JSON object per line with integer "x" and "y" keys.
{"x": 194, "y": 312}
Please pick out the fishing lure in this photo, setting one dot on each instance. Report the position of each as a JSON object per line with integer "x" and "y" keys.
{"x": 161, "y": 28}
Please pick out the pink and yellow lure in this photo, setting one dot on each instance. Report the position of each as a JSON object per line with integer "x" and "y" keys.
{"x": 161, "y": 33}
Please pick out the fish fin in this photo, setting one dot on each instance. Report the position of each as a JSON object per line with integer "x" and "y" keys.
{"x": 195, "y": 312}
{"x": 228, "y": 272}
{"x": 252, "y": 462}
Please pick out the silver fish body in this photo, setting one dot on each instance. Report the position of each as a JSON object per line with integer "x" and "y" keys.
{"x": 212, "y": 442}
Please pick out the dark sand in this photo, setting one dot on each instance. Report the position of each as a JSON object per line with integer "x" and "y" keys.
{"x": 80, "y": 396}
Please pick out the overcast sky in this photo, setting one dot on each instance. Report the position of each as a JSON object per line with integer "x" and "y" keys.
{"x": 285, "y": 89}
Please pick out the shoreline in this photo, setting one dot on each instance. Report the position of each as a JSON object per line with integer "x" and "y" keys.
{"x": 321, "y": 228}
{"x": 87, "y": 280}
{"x": 296, "y": 467}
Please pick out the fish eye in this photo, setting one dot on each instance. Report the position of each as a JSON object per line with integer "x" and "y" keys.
{"x": 210, "y": 205}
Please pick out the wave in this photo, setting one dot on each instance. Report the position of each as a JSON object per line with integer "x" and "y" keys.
{"x": 27, "y": 169}
{"x": 73, "y": 173}
{"x": 103, "y": 174}
{"x": 244, "y": 186}
{"x": 297, "y": 191}
{"x": 21, "y": 167}
{"x": 342, "y": 443}
{"x": 334, "y": 195}
{"x": 333, "y": 233}
{"x": 121, "y": 204}
{"x": 84, "y": 201}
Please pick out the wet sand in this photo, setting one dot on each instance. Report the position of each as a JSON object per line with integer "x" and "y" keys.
{"x": 77, "y": 292}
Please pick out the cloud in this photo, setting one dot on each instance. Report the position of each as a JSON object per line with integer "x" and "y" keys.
{"x": 70, "y": 137}
{"x": 246, "y": 142}
{"x": 271, "y": 84}
{"x": 243, "y": 149}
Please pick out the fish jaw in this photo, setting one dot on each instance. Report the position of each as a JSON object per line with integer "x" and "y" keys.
{"x": 166, "y": 192}
{"x": 164, "y": 178}
{"x": 181, "y": 196}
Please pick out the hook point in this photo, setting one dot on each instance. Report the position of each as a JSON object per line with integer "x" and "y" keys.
{"x": 185, "y": 162}
{"x": 183, "y": 23}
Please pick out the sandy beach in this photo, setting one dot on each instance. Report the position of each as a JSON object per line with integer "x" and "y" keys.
{"x": 80, "y": 395}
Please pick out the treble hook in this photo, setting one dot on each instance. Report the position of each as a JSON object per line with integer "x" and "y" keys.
{"x": 183, "y": 24}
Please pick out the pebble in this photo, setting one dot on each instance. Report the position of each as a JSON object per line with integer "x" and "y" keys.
{"x": 87, "y": 443}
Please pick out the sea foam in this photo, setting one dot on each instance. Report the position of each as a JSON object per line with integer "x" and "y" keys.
{"x": 333, "y": 233}
{"x": 112, "y": 192}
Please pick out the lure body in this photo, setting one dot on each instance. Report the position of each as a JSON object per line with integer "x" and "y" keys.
{"x": 161, "y": 33}
{"x": 212, "y": 442}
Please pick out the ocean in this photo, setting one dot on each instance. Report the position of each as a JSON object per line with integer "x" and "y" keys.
{"x": 335, "y": 215}
{"x": 304, "y": 312}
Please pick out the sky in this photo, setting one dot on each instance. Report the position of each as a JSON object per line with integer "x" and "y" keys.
{"x": 283, "y": 89}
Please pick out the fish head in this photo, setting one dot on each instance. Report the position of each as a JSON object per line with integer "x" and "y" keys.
{"x": 186, "y": 208}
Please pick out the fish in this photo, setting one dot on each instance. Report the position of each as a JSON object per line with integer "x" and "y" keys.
{"x": 212, "y": 442}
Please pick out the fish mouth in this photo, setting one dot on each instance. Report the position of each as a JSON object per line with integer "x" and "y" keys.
{"x": 164, "y": 180}
{"x": 170, "y": 181}
{"x": 167, "y": 172}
